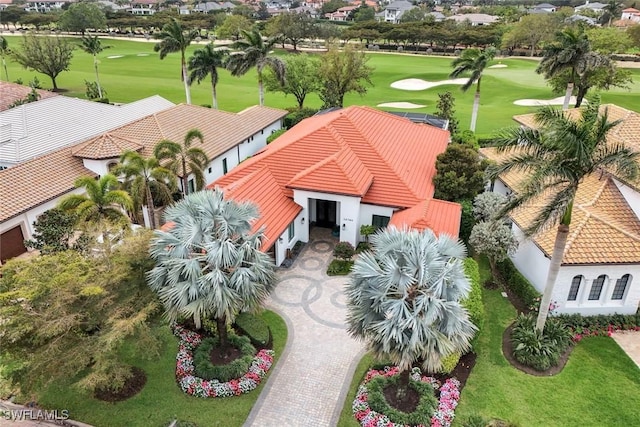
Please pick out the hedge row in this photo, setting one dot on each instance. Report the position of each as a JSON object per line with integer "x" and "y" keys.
{"x": 600, "y": 325}
{"x": 473, "y": 303}
{"x": 517, "y": 283}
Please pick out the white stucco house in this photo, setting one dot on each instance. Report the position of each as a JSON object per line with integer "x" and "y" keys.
{"x": 600, "y": 271}
{"x": 394, "y": 11}
{"x": 475, "y": 19}
{"x": 631, "y": 14}
{"x": 343, "y": 169}
{"x": 32, "y": 187}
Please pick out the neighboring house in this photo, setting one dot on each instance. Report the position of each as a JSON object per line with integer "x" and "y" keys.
{"x": 631, "y": 14}
{"x": 438, "y": 16}
{"x": 13, "y": 92}
{"x": 143, "y": 7}
{"x": 5, "y": 4}
{"x": 206, "y": 7}
{"x": 596, "y": 7}
{"x": 342, "y": 14}
{"x": 475, "y": 19}
{"x": 393, "y": 12}
{"x": 44, "y": 6}
{"x": 229, "y": 138}
{"x": 600, "y": 271}
{"x": 343, "y": 169}
{"x": 581, "y": 18}
{"x": 31, "y": 130}
{"x": 543, "y": 8}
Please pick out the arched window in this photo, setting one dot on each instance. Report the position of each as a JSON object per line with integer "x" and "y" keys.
{"x": 575, "y": 287}
{"x": 596, "y": 288}
{"x": 621, "y": 287}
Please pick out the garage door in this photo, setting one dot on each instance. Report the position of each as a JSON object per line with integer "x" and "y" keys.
{"x": 11, "y": 244}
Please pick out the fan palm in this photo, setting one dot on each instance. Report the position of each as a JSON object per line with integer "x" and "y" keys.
{"x": 571, "y": 51}
{"x": 102, "y": 204}
{"x": 404, "y": 296}
{"x": 145, "y": 178}
{"x": 612, "y": 9}
{"x": 209, "y": 264}
{"x": 184, "y": 158}
{"x": 474, "y": 61}
{"x": 556, "y": 158}
{"x": 4, "y": 52}
{"x": 174, "y": 38}
{"x": 93, "y": 46}
{"x": 205, "y": 62}
{"x": 255, "y": 52}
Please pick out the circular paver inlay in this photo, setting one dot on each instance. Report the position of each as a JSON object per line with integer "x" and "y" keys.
{"x": 311, "y": 263}
{"x": 287, "y": 292}
{"x": 322, "y": 246}
{"x": 339, "y": 299}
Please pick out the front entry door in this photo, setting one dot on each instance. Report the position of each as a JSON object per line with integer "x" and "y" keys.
{"x": 325, "y": 213}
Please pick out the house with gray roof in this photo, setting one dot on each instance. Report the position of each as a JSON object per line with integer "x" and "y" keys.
{"x": 594, "y": 7}
{"x": 393, "y": 12}
{"x": 543, "y": 8}
{"x": 475, "y": 19}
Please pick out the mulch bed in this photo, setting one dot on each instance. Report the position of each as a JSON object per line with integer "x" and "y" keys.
{"x": 461, "y": 372}
{"x": 130, "y": 388}
{"x": 507, "y": 350}
{"x": 224, "y": 356}
{"x": 407, "y": 404}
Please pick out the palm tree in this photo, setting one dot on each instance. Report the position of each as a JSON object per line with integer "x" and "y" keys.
{"x": 209, "y": 264}
{"x": 145, "y": 178}
{"x": 570, "y": 51}
{"x": 93, "y": 46}
{"x": 255, "y": 52}
{"x": 4, "y": 52}
{"x": 613, "y": 9}
{"x": 184, "y": 158}
{"x": 103, "y": 204}
{"x": 556, "y": 158}
{"x": 204, "y": 62}
{"x": 176, "y": 39}
{"x": 404, "y": 296}
{"x": 474, "y": 61}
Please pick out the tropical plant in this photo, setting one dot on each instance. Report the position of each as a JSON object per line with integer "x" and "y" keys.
{"x": 102, "y": 204}
{"x": 184, "y": 159}
{"x": 255, "y": 52}
{"x": 473, "y": 61}
{"x": 144, "y": 179}
{"x": 556, "y": 158}
{"x": 612, "y": 9}
{"x": 404, "y": 296}
{"x": 174, "y": 38}
{"x": 93, "y": 46}
{"x": 205, "y": 62}
{"x": 209, "y": 263}
{"x": 4, "y": 52}
{"x": 537, "y": 349}
{"x": 571, "y": 51}
{"x": 53, "y": 230}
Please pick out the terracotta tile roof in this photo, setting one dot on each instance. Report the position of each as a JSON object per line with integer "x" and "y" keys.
{"x": 12, "y": 92}
{"x": 38, "y": 181}
{"x": 604, "y": 229}
{"x": 276, "y": 210}
{"x": 342, "y": 173}
{"x": 105, "y": 146}
{"x": 438, "y": 215}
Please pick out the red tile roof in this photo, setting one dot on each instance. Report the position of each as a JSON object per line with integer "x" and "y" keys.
{"x": 105, "y": 146}
{"x": 438, "y": 215}
{"x": 385, "y": 159}
{"x": 12, "y": 92}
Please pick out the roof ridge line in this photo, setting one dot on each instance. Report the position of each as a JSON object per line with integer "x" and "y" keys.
{"x": 345, "y": 151}
{"x": 596, "y": 196}
{"x": 576, "y": 232}
{"x": 612, "y": 225}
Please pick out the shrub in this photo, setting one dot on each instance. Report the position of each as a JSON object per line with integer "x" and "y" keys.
{"x": 254, "y": 327}
{"x": 539, "y": 350}
{"x": 223, "y": 373}
{"x": 601, "y": 325}
{"x": 344, "y": 250}
{"x": 450, "y": 362}
{"x": 467, "y": 221}
{"x": 296, "y": 116}
{"x": 421, "y": 415}
{"x": 473, "y": 303}
{"x": 339, "y": 267}
{"x": 366, "y": 231}
{"x": 517, "y": 283}
{"x": 275, "y": 135}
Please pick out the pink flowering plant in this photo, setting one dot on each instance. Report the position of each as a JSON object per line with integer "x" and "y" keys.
{"x": 199, "y": 387}
{"x": 442, "y": 417}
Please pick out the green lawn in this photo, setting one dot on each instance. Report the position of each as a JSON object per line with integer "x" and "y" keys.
{"x": 599, "y": 386}
{"x": 161, "y": 399}
{"x": 138, "y": 73}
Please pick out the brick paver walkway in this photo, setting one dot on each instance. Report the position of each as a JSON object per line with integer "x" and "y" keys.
{"x": 312, "y": 377}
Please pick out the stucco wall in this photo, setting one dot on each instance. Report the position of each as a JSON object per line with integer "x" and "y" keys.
{"x": 631, "y": 196}
{"x": 367, "y": 212}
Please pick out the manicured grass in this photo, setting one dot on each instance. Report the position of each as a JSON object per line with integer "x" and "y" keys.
{"x": 599, "y": 386}
{"x": 140, "y": 73}
{"x": 161, "y": 400}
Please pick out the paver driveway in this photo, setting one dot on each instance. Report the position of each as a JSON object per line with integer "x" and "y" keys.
{"x": 311, "y": 379}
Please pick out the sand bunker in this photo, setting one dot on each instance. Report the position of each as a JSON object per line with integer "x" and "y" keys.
{"x": 419, "y": 84}
{"x": 407, "y": 105}
{"x": 142, "y": 54}
{"x": 114, "y": 56}
{"x": 498, "y": 66}
{"x": 540, "y": 102}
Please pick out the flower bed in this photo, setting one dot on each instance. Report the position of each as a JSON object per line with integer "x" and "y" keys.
{"x": 199, "y": 387}
{"x": 443, "y": 416}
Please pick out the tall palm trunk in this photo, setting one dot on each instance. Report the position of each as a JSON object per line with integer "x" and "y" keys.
{"x": 185, "y": 178}
{"x": 95, "y": 66}
{"x": 150, "y": 207}
{"x": 221, "y": 326}
{"x": 213, "y": 91}
{"x": 554, "y": 268}
{"x": 476, "y": 106}
{"x": 261, "y": 88}
{"x": 567, "y": 96}
{"x": 6, "y": 72}
{"x": 185, "y": 79}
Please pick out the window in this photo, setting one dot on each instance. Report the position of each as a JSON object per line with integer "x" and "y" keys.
{"x": 292, "y": 230}
{"x": 192, "y": 186}
{"x": 575, "y": 287}
{"x": 596, "y": 288}
{"x": 621, "y": 287}
{"x": 225, "y": 169}
{"x": 379, "y": 221}
{"x": 209, "y": 170}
